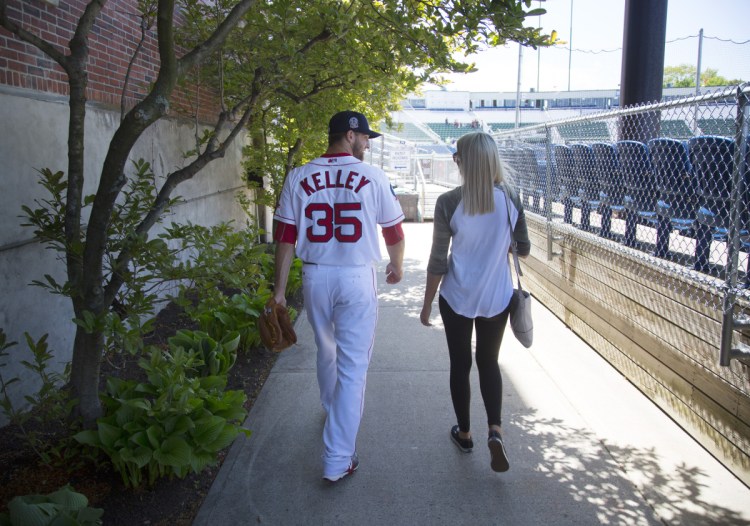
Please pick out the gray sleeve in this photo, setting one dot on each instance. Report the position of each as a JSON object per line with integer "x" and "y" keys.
{"x": 520, "y": 231}
{"x": 441, "y": 231}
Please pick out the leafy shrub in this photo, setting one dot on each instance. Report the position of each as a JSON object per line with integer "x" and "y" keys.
{"x": 50, "y": 407}
{"x": 238, "y": 313}
{"x": 217, "y": 356}
{"x": 228, "y": 280}
{"x": 173, "y": 424}
{"x": 63, "y": 507}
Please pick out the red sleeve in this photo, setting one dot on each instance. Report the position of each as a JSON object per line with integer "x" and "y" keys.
{"x": 285, "y": 233}
{"x": 393, "y": 234}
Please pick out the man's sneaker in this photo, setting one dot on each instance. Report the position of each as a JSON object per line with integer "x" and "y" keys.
{"x": 353, "y": 465}
{"x": 499, "y": 461}
{"x": 464, "y": 444}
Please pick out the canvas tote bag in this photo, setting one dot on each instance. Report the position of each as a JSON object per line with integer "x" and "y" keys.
{"x": 520, "y": 304}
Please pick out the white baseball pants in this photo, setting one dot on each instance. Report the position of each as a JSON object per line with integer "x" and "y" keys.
{"x": 342, "y": 307}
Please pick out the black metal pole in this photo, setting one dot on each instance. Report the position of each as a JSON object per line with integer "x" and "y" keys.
{"x": 642, "y": 75}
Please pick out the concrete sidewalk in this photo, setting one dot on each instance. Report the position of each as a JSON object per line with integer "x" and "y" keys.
{"x": 585, "y": 446}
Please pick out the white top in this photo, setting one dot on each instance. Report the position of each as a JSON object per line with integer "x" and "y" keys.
{"x": 479, "y": 281}
{"x": 336, "y": 201}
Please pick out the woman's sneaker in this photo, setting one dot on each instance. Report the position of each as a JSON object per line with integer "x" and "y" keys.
{"x": 464, "y": 444}
{"x": 499, "y": 461}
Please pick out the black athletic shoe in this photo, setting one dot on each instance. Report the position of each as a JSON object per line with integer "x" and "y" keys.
{"x": 499, "y": 461}
{"x": 464, "y": 444}
{"x": 353, "y": 465}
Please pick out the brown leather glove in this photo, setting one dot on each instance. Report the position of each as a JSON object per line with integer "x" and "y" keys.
{"x": 275, "y": 327}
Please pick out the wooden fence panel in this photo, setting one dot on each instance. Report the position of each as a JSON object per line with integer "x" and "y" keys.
{"x": 662, "y": 331}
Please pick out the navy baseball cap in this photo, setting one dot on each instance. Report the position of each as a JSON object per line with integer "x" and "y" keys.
{"x": 347, "y": 120}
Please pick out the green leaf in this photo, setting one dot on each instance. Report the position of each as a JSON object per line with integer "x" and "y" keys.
{"x": 139, "y": 456}
{"x": 536, "y": 12}
{"x": 231, "y": 341}
{"x": 174, "y": 452}
{"x": 182, "y": 425}
{"x": 24, "y": 510}
{"x": 227, "y": 435}
{"x": 90, "y": 516}
{"x": 139, "y": 438}
{"x": 108, "y": 434}
{"x": 155, "y": 435}
{"x": 89, "y": 437}
{"x": 68, "y": 499}
{"x": 224, "y": 318}
{"x": 207, "y": 430}
{"x": 138, "y": 403}
{"x": 201, "y": 461}
{"x": 214, "y": 382}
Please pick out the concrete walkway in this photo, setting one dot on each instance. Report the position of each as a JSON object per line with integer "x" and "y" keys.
{"x": 585, "y": 446}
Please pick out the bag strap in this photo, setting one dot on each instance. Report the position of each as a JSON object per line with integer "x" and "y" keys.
{"x": 513, "y": 242}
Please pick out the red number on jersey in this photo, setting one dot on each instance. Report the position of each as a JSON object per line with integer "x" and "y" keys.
{"x": 349, "y": 221}
{"x": 323, "y": 220}
{"x": 329, "y": 221}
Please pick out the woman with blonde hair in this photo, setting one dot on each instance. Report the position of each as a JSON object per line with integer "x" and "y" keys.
{"x": 474, "y": 221}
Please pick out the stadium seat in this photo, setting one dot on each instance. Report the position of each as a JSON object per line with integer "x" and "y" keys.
{"x": 534, "y": 187}
{"x": 676, "y": 184}
{"x": 720, "y": 127}
{"x": 640, "y": 191}
{"x": 712, "y": 158}
{"x": 610, "y": 181}
{"x": 675, "y": 129}
{"x": 523, "y": 174}
{"x": 569, "y": 194}
{"x": 585, "y": 131}
{"x": 588, "y": 182}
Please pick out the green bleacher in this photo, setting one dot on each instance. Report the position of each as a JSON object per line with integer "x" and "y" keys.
{"x": 449, "y": 131}
{"x": 723, "y": 127}
{"x": 585, "y": 131}
{"x": 505, "y": 126}
{"x": 406, "y": 131}
{"x": 676, "y": 129}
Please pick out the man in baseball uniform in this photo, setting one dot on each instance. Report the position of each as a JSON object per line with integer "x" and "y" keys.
{"x": 330, "y": 209}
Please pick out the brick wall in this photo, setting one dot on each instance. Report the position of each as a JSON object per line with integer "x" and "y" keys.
{"x": 113, "y": 41}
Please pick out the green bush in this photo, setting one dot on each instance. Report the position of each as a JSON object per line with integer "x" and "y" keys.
{"x": 217, "y": 356}
{"x": 50, "y": 407}
{"x": 227, "y": 279}
{"x": 63, "y": 507}
{"x": 171, "y": 425}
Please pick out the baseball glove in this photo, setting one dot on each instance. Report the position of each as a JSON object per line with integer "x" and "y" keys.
{"x": 275, "y": 327}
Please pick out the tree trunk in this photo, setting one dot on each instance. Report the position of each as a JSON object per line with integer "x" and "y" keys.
{"x": 84, "y": 377}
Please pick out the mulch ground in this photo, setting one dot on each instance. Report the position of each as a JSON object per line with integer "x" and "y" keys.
{"x": 170, "y": 502}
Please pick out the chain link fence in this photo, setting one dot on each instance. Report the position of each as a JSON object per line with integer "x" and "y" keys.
{"x": 664, "y": 188}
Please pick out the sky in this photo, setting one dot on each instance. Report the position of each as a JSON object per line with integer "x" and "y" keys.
{"x": 597, "y": 30}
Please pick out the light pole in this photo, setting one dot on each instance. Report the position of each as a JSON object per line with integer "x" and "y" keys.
{"x": 570, "y": 43}
{"x": 539, "y": 51}
{"x": 518, "y": 83}
{"x": 518, "y": 86}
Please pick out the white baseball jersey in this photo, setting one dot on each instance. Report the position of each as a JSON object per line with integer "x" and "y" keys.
{"x": 335, "y": 201}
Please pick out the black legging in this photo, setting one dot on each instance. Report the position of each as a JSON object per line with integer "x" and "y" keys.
{"x": 458, "y": 330}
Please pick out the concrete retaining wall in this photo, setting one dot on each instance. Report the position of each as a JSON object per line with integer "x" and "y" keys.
{"x": 34, "y": 136}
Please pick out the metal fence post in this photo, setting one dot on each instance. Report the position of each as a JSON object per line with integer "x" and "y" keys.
{"x": 549, "y": 189}
{"x": 737, "y": 210}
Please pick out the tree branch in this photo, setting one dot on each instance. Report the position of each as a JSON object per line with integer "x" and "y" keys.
{"x": 323, "y": 36}
{"x": 217, "y": 38}
{"x": 144, "y": 28}
{"x": 291, "y": 154}
{"x": 318, "y": 87}
{"x": 214, "y": 150}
